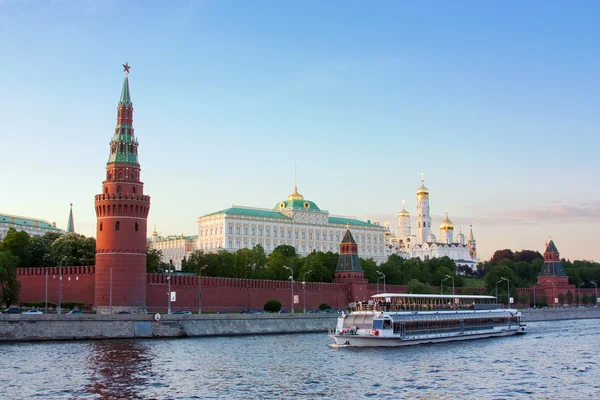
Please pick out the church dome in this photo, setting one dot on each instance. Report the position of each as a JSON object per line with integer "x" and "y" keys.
{"x": 422, "y": 189}
{"x": 431, "y": 238}
{"x": 460, "y": 237}
{"x": 403, "y": 213}
{"x": 446, "y": 224}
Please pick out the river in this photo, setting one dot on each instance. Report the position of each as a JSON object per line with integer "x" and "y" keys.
{"x": 554, "y": 360}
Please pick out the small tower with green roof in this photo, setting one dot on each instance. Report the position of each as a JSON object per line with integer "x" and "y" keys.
{"x": 70, "y": 223}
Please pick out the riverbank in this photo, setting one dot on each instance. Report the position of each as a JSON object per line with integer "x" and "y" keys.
{"x": 19, "y": 327}
{"x": 558, "y": 314}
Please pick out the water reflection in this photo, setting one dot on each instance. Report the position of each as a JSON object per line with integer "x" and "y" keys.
{"x": 118, "y": 370}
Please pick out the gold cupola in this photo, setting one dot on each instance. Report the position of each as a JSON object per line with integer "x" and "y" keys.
{"x": 154, "y": 233}
{"x": 446, "y": 224}
{"x": 295, "y": 195}
{"x": 403, "y": 213}
{"x": 422, "y": 190}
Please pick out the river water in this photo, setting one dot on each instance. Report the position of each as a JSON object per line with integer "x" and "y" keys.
{"x": 555, "y": 360}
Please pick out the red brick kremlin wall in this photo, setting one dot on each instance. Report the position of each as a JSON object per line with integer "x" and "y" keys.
{"x": 219, "y": 294}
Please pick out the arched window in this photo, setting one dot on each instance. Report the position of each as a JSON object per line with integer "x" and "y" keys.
{"x": 131, "y": 176}
{"x": 118, "y": 189}
{"x": 106, "y": 190}
{"x": 118, "y": 225}
{"x": 133, "y": 190}
{"x": 100, "y": 226}
{"x": 120, "y": 175}
{"x": 136, "y": 227}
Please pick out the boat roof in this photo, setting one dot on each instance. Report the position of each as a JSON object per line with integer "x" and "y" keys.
{"x": 433, "y": 296}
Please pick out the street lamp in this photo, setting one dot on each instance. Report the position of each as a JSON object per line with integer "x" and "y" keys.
{"x": 304, "y": 287}
{"x": 553, "y": 295}
{"x": 291, "y": 279}
{"x": 507, "y": 292}
{"x": 451, "y": 277}
{"x": 60, "y": 284}
{"x": 169, "y": 282}
{"x": 537, "y": 283}
{"x": 378, "y": 278}
{"x": 200, "y": 288}
{"x": 596, "y": 302}
{"x": 579, "y": 296}
{"x": 383, "y": 276}
{"x": 442, "y": 285}
{"x": 501, "y": 279}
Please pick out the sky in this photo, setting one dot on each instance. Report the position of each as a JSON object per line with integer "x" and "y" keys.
{"x": 496, "y": 102}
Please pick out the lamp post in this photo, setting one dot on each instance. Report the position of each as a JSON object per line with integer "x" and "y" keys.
{"x": 579, "y": 295}
{"x": 596, "y": 299}
{"x": 46, "y": 307}
{"x": 291, "y": 279}
{"x": 553, "y": 296}
{"x": 497, "y": 287}
{"x": 451, "y": 277}
{"x": 110, "y": 293}
{"x": 200, "y": 288}
{"x": 169, "y": 283}
{"x": 383, "y": 276}
{"x": 60, "y": 284}
{"x": 507, "y": 292}
{"x": 442, "y": 285}
{"x": 537, "y": 283}
{"x": 378, "y": 278}
{"x": 304, "y": 287}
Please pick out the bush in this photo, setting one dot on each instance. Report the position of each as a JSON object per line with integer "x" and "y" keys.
{"x": 324, "y": 306}
{"x": 272, "y": 306}
{"x": 72, "y": 304}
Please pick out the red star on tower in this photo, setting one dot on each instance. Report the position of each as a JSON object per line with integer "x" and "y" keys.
{"x": 126, "y": 67}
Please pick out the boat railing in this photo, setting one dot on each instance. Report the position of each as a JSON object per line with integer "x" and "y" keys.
{"x": 427, "y": 307}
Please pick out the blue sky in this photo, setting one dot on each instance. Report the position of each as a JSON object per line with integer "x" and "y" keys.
{"x": 496, "y": 102}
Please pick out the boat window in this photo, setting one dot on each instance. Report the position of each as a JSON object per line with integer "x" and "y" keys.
{"x": 378, "y": 324}
{"x": 387, "y": 324}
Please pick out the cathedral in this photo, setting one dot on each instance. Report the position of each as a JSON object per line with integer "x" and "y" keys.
{"x": 424, "y": 244}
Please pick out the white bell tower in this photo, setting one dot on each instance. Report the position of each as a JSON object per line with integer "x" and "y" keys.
{"x": 423, "y": 217}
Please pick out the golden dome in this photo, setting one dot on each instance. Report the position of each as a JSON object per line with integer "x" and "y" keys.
{"x": 403, "y": 213}
{"x": 446, "y": 224}
{"x": 154, "y": 233}
{"x": 422, "y": 189}
{"x": 295, "y": 195}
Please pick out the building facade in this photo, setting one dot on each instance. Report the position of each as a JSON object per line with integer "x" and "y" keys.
{"x": 296, "y": 222}
{"x": 121, "y": 213}
{"x": 174, "y": 248}
{"x": 424, "y": 244}
{"x": 33, "y": 227}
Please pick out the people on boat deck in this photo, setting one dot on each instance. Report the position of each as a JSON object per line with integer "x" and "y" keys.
{"x": 407, "y": 305}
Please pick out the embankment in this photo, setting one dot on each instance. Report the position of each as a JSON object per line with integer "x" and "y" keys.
{"x": 558, "y": 314}
{"x": 79, "y": 327}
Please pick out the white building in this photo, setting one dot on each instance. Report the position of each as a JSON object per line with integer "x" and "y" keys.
{"x": 296, "y": 222}
{"x": 30, "y": 225}
{"x": 424, "y": 244}
{"x": 174, "y": 248}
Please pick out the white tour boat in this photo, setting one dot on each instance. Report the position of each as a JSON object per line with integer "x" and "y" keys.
{"x": 391, "y": 319}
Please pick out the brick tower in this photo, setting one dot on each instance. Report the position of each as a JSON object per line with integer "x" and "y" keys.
{"x": 349, "y": 270}
{"x": 122, "y": 213}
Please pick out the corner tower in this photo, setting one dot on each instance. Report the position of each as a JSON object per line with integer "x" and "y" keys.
{"x": 122, "y": 212}
{"x": 423, "y": 217}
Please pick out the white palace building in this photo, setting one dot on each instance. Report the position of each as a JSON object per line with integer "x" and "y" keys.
{"x": 296, "y": 222}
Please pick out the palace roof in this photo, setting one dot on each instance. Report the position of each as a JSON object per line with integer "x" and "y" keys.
{"x": 23, "y": 221}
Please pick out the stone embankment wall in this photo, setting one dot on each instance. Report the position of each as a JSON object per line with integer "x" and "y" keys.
{"x": 560, "y": 314}
{"x": 73, "y": 327}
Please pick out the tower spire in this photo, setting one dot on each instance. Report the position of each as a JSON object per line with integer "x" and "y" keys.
{"x": 70, "y": 223}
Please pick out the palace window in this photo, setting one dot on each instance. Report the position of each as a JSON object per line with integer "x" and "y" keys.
{"x": 260, "y": 231}
{"x": 253, "y": 231}
{"x": 245, "y": 231}
{"x": 237, "y": 230}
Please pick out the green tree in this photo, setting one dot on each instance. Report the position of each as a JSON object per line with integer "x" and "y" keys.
{"x": 73, "y": 249}
{"x": 494, "y": 276}
{"x": 569, "y": 297}
{"x": 316, "y": 263}
{"x": 153, "y": 260}
{"x": 585, "y": 299}
{"x": 17, "y": 242}
{"x": 417, "y": 287}
{"x": 561, "y": 299}
{"x": 9, "y": 285}
{"x": 369, "y": 269}
{"x": 394, "y": 270}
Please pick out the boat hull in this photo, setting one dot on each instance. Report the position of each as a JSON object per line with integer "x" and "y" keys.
{"x": 378, "y": 341}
